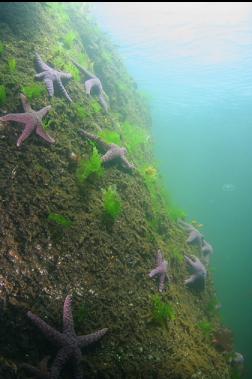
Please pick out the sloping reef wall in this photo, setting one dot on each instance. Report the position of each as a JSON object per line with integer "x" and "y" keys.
{"x": 71, "y": 226}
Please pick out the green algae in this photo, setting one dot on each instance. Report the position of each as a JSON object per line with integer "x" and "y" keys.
{"x": 1, "y": 47}
{"x": 112, "y": 202}
{"x": 12, "y": 65}
{"x": 60, "y": 220}
{"x": 2, "y": 94}
{"x": 110, "y": 136}
{"x": 33, "y": 91}
{"x": 91, "y": 166}
{"x": 162, "y": 312}
{"x": 69, "y": 39}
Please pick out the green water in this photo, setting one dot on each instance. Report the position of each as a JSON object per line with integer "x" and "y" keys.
{"x": 194, "y": 62}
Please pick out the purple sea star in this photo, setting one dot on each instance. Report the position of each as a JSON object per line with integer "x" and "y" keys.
{"x": 94, "y": 83}
{"x": 195, "y": 237}
{"x": 51, "y": 76}
{"x": 113, "y": 151}
{"x": 68, "y": 343}
{"x": 199, "y": 269}
{"x": 161, "y": 270}
{"x": 32, "y": 120}
{"x": 206, "y": 251}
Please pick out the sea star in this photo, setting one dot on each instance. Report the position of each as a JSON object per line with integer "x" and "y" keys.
{"x": 198, "y": 268}
{"x": 51, "y": 76}
{"x": 113, "y": 151}
{"x": 195, "y": 237}
{"x": 32, "y": 120}
{"x": 160, "y": 270}
{"x": 206, "y": 251}
{"x": 69, "y": 344}
{"x": 94, "y": 83}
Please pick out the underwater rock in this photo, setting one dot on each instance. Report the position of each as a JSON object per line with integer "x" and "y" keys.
{"x": 51, "y": 76}
{"x": 113, "y": 151}
{"x": 94, "y": 83}
{"x": 69, "y": 344}
{"x": 32, "y": 120}
{"x": 161, "y": 270}
{"x": 199, "y": 269}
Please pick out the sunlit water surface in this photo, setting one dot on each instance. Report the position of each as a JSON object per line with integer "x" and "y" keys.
{"x": 194, "y": 60}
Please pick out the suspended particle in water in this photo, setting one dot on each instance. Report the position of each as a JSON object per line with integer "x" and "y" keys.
{"x": 228, "y": 187}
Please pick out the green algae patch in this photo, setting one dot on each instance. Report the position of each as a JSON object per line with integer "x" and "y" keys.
{"x": 12, "y": 65}
{"x": 162, "y": 312}
{"x": 33, "y": 91}
{"x": 2, "y": 94}
{"x": 1, "y": 47}
{"x": 110, "y": 136}
{"x": 60, "y": 220}
{"x": 112, "y": 202}
{"x": 91, "y": 166}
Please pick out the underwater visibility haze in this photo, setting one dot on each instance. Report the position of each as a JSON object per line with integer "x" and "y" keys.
{"x": 125, "y": 190}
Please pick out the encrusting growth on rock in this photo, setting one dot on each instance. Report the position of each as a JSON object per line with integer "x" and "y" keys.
{"x": 112, "y": 150}
{"x": 94, "y": 83}
{"x": 68, "y": 343}
{"x": 51, "y": 76}
{"x": 161, "y": 270}
{"x": 32, "y": 120}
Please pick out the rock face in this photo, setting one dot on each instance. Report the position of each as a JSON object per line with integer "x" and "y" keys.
{"x": 103, "y": 264}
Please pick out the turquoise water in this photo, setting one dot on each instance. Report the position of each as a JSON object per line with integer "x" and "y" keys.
{"x": 194, "y": 61}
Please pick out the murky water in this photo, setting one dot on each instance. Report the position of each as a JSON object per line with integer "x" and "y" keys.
{"x": 194, "y": 62}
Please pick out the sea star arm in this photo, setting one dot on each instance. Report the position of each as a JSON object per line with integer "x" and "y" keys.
{"x": 23, "y": 118}
{"x": 43, "y": 112}
{"x": 58, "y": 363}
{"x": 192, "y": 262}
{"x": 65, "y": 75}
{"x": 40, "y": 132}
{"x": 127, "y": 163}
{"x": 25, "y": 103}
{"x": 52, "y": 334}
{"x": 78, "y": 374}
{"x": 64, "y": 90}
{"x": 103, "y": 102}
{"x": 49, "y": 86}
{"x": 105, "y": 146}
{"x": 110, "y": 155}
{"x": 91, "y": 338}
{"x": 185, "y": 226}
{"x": 191, "y": 279}
{"x": 91, "y": 83}
{"x": 40, "y": 75}
{"x": 154, "y": 272}
{"x": 88, "y": 73}
{"x": 68, "y": 324}
{"x": 29, "y": 127}
{"x": 194, "y": 237}
{"x": 162, "y": 281}
{"x": 159, "y": 257}
{"x": 42, "y": 65}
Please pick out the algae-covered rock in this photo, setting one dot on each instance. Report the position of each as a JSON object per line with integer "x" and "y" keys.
{"x": 103, "y": 265}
